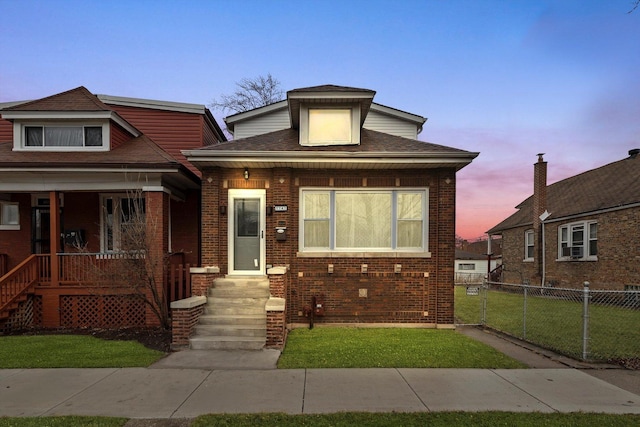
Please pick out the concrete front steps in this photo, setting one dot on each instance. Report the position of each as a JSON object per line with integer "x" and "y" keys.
{"x": 234, "y": 317}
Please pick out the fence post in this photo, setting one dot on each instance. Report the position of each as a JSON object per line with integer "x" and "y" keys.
{"x": 524, "y": 313}
{"x": 585, "y": 321}
{"x": 485, "y": 289}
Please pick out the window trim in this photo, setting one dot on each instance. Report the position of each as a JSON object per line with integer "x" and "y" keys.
{"x": 305, "y": 122}
{"x": 393, "y": 251}
{"x": 7, "y": 226}
{"x": 527, "y": 245}
{"x": 587, "y": 239}
{"x": 117, "y": 225}
{"x": 20, "y": 138}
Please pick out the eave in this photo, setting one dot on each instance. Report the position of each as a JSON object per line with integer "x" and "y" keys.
{"x": 329, "y": 159}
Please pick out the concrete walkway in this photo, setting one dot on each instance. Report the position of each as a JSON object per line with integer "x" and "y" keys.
{"x": 190, "y": 383}
{"x": 186, "y": 393}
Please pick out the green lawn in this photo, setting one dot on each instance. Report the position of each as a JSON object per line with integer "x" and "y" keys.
{"x": 72, "y": 351}
{"x": 556, "y": 323}
{"x": 343, "y": 347}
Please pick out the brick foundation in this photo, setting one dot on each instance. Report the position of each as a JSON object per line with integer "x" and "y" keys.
{"x": 184, "y": 317}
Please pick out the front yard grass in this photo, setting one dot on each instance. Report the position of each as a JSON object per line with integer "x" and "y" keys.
{"x": 345, "y": 347}
{"x": 72, "y": 351}
{"x": 555, "y": 323}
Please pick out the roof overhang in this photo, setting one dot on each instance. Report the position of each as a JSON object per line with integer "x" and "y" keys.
{"x": 328, "y": 159}
{"x": 94, "y": 178}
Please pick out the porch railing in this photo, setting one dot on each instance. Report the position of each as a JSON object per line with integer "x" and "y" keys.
{"x": 17, "y": 282}
{"x": 85, "y": 269}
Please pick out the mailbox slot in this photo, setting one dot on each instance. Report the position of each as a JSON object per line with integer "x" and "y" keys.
{"x": 281, "y": 234}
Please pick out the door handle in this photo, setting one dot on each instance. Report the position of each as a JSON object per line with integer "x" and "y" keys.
{"x": 262, "y": 234}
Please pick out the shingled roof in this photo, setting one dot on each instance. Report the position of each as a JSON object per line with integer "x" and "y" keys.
{"x": 611, "y": 186}
{"x": 78, "y": 99}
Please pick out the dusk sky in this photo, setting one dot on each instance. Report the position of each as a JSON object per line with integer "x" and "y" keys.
{"x": 508, "y": 79}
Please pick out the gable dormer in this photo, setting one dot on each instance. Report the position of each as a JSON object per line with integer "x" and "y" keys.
{"x": 329, "y": 115}
{"x": 75, "y": 120}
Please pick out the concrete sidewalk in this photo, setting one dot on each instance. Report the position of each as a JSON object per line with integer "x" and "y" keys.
{"x": 173, "y": 393}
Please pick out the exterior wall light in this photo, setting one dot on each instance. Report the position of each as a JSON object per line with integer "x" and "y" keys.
{"x": 246, "y": 173}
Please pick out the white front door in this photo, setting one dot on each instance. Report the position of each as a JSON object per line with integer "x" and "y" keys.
{"x": 246, "y": 232}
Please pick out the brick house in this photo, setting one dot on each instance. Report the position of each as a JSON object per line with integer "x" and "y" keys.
{"x": 583, "y": 228}
{"x": 332, "y": 198}
{"x": 71, "y": 166}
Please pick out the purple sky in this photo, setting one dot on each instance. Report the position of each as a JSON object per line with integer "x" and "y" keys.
{"x": 509, "y": 79}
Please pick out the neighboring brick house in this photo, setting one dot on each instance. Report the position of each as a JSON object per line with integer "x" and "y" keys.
{"x": 332, "y": 196}
{"x": 86, "y": 157}
{"x": 583, "y": 228}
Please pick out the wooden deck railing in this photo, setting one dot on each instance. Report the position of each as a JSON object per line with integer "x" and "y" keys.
{"x": 90, "y": 269}
{"x": 17, "y": 282}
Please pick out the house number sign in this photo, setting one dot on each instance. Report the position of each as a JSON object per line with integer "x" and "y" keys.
{"x": 280, "y": 208}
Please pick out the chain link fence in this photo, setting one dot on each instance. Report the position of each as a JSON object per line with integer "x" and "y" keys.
{"x": 586, "y": 324}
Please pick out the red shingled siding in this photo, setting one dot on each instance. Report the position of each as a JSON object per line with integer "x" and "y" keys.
{"x": 6, "y": 131}
{"x": 173, "y": 131}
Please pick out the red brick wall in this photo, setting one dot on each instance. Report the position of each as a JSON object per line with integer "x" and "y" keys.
{"x": 17, "y": 243}
{"x": 183, "y": 322}
{"x": 185, "y": 227}
{"x": 616, "y": 266}
{"x": 425, "y": 285}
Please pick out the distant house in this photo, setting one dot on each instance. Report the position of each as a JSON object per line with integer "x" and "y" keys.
{"x": 583, "y": 228}
{"x": 71, "y": 166}
{"x": 472, "y": 268}
{"x": 333, "y": 198}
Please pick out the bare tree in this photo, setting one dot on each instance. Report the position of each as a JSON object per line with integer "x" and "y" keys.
{"x": 250, "y": 94}
{"x": 138, "y": 265}
{"x": 634, "y": 6}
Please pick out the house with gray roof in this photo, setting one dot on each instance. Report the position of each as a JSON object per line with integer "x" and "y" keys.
{"x": 582, "y": 228}
{"x": 331, "y": 203}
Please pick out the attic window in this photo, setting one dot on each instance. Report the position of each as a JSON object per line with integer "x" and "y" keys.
{"x": 63, "y": 136}
{"x": 329, "y": 126}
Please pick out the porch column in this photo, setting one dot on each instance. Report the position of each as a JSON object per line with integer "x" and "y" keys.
{"x": 54, "y": 236}
{"x": 51, "y": 300}
{"x": 157, "y": 226}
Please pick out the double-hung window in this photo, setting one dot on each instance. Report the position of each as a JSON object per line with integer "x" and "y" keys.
{"x": 529, "y": 245}
{"x": 363, "y": 220}
{"x": 578, "y": 241}
{"x": 123, "y": 224}
{"x": 9, "y": 216}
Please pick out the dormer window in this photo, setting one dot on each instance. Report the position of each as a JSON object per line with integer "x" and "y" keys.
{"x": 320, "y": 126}
{"x": 63, "y": 136}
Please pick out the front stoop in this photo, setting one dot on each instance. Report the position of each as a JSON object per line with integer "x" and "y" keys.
{"x": 234, "y": 317}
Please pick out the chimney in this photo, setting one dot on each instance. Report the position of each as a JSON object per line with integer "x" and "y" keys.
{"x": 539, "y": 190}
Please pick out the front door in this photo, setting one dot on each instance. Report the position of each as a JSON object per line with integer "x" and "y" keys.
{"x": 246, "y": 232}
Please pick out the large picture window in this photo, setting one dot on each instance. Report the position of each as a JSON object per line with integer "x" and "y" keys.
{"x": 371, "y": 220}
{"x": 578, "y": 241}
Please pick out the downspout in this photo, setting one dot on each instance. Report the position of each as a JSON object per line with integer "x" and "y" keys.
{"x": 543, "y": 217}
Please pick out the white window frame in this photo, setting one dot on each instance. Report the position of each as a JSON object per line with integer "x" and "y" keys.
{"x": 305, "y": 122}
{"x": 117, "y": 221}
{"x": 466, "y": 266}
{"x": 4, "y": 223}
{"x": 20, "y": 138}
{"x": 393, "y": 250}
{"x": 566, "y": 241}
{"x": 529, "y": 243}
